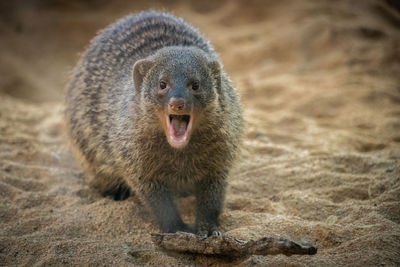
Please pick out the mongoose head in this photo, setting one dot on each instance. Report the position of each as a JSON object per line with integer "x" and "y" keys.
{"x": 178, "y": 84}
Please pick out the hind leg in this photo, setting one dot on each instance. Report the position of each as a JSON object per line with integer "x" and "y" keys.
{"x": 111, "y": 186}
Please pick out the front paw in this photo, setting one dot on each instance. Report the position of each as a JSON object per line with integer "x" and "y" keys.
{"x": 206, "y": 231}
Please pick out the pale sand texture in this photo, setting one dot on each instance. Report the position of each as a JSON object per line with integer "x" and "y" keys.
{"x": 320, "y": 87}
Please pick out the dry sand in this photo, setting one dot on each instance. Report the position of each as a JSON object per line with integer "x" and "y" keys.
{"x": 320, "y": 87}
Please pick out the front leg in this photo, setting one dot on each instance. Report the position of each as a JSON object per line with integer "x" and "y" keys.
{"x": 210, "y": 195}
{"x": 160, "y": 200}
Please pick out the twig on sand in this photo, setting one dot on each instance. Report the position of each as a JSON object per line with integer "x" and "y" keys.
{"x": 229, "y": 246}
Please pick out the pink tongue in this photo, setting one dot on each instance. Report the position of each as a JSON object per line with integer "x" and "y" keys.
{"x": 179, "y": 126}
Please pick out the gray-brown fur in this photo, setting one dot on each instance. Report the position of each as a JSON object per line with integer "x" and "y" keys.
{"x": 113, "y": 109}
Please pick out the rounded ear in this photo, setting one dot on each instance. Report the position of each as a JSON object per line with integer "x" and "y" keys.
{"x": 140, "y": 69}
{"x": 215, "y": 71}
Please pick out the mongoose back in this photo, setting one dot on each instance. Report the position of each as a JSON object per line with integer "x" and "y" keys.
{"x": 151, "y": 109}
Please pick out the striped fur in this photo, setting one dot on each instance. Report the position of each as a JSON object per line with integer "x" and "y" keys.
{"x": 118, "y": 135}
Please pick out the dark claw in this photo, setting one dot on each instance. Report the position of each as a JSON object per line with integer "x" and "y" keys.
{"x": 202, "y": 234}
{"x": 206, "y": 234}
{"x": 217, "y": 233}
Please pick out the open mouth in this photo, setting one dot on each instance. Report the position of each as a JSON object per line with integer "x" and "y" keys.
{"x": 178, "y": 129}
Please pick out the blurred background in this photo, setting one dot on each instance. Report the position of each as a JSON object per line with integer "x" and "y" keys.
{"x": 40, "y": 40}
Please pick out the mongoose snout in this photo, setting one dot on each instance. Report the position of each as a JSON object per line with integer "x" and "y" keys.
{"x": 176, "y": 104}
{"x": 151, "y": 109}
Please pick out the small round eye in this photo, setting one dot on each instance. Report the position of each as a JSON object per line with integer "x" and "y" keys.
{"x": 163, "y": 85}
{"x": 195, "y": 85}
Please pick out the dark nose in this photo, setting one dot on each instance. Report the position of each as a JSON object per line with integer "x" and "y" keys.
{"x": 176, "y": 104}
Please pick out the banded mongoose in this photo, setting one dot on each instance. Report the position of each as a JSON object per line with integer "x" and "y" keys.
{"x": 150, "y": 109}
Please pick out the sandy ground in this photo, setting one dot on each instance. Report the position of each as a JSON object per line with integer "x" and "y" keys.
{"x": 320, "y": 87}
